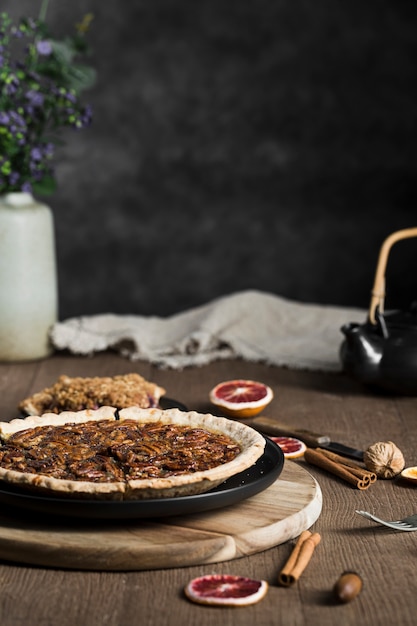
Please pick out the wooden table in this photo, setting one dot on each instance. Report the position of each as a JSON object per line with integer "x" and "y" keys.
{"x": 329, "y": 403}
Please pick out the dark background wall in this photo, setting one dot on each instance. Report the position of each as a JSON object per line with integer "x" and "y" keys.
{"x": 237, "y": 144}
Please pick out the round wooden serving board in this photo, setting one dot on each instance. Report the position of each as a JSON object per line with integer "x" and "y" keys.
{"x": 281, "y": 512}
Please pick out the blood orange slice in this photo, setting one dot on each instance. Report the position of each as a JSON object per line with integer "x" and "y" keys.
{"x": 241, "y": 398}
{"x": 291, "y": 447}
{"x": 225, "y": 590}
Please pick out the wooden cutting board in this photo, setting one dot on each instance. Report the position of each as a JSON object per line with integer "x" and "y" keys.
{"x": 281, "y": 512}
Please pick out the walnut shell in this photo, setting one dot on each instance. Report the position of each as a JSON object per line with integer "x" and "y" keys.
{"x": 384, "y": 458}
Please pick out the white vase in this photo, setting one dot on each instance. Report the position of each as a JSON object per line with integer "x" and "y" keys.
{"x": 28, "y": 278}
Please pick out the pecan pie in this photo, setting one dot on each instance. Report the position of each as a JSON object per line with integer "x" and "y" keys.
{"x": 76, "y": 394}
{"x": 132, "y": 454}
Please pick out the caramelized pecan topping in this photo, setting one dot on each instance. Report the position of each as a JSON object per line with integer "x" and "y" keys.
{"x": 114, "y": 451}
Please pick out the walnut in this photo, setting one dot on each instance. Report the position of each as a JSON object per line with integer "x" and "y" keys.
{"x": 384, "y": 458}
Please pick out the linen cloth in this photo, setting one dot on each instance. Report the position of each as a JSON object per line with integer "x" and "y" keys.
{"x": 252, "y": 325}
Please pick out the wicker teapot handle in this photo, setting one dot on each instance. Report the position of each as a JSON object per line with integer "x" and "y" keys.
{"x": 378, "y": 290}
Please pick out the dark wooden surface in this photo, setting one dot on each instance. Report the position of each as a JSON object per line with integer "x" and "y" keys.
{"x": 324, "y": 402}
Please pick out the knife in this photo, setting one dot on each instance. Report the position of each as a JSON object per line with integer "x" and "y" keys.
{"x": 273, "y": 427}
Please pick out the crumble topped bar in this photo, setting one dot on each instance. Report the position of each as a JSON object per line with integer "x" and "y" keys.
{"x": 77, "y": 394}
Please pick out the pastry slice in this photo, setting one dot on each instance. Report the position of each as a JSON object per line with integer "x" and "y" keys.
{"x": 77, "y": 394}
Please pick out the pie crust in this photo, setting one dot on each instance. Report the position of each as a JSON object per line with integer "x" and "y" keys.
{"x": 250, "y": 442}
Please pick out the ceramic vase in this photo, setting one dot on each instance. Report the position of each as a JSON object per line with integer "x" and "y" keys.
{"x": 28, "y": 278}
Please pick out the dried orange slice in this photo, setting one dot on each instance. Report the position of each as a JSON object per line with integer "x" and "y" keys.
{"x": 225, "y": 590}
{"x": 292, "y": 448}
{"x": 410, "y": 474}
{"x": 241, "y": 398}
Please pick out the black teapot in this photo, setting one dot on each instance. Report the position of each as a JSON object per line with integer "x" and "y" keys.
{"x": 382, "y": 352}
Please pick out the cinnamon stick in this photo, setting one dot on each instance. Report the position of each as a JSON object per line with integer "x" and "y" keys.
{"x": 315, "y": 457}
{"x": 299, "y": 558}
{"x": 351, "y": 464}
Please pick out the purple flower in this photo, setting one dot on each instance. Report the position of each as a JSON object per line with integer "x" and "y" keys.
{"x": 11, "y": 85}
{"x": 35, "y": 98}
{"x": 71, "y": 97}
{"x": 36, "y": 154}
{"x": 17, "y": 118}
{"x": 36, "y": 103}
{"x": 29, "y": 110}
{"x": 48, "y": 150}
{"x": 33, "y": 75}
{"x": 15, "y": 32}
{"x": 44, "y": 48}
{"x": 86, "y": 116}
{"x": 17, "y": 124}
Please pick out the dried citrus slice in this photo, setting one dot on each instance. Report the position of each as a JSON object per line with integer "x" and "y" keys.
{"x": 225, "y": 590}
{"x": 291, "y": 447}
{"x": 241, "y": 398}
{"x": 410, "y": 474}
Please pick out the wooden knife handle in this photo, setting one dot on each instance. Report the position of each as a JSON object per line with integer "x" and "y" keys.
{"x": 270, "y": 426}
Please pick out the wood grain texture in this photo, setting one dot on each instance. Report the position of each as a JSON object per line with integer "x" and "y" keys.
{"x": 47, "y": 596}
{"x": 281, "y": 512}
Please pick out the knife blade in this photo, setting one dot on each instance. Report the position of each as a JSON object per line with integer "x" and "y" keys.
{"x": 272, "y": 427}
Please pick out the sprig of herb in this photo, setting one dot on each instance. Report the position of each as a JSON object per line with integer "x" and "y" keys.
{"x": 40, "y": 84}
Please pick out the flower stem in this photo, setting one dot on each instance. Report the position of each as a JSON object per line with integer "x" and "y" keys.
{"x": 43, "y": 10}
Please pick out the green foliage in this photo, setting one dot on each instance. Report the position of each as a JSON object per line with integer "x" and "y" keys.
{"x": 41, "y": 80}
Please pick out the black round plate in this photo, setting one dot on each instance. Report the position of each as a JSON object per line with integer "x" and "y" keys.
{"x": 169, "y": 403}
{"x": 239, "y": 487}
